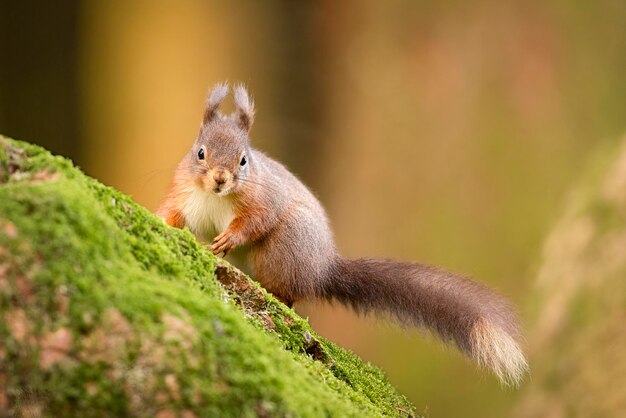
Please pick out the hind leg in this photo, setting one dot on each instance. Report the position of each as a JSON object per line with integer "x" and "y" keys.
{"x": 273, "y": 270}
{"x": 286, "y": 301}
{"x": 274, "y": 285}
{"x": 286, "y": 268}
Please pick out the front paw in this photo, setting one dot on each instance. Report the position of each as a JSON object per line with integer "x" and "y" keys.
{"x": 223, "y": 243}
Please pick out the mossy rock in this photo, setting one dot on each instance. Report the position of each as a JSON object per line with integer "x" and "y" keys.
{"x": 106, "y": 311}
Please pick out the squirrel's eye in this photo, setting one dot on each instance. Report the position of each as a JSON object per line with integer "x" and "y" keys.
{"x": 201, "y": 154}
{"x": 243, "y": 161}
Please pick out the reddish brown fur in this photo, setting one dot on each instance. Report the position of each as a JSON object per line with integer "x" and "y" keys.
{"x": 293, "y": 254}
{"x": 169, "y": 209}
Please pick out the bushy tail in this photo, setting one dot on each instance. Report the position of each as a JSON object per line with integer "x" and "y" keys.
{"x": 480, "y": 322}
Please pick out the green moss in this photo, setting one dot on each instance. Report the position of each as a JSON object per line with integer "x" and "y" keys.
{"x": 104, "y": 310}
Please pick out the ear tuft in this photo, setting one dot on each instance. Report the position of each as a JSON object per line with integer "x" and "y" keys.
{"x": 245, "y": 108}
{"x": 213, "y": 101}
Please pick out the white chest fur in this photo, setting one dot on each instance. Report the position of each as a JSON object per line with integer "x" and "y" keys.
{"x": 206, "y": 214}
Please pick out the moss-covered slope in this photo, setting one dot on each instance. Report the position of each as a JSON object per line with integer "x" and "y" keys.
{"x": 105, "y": 311}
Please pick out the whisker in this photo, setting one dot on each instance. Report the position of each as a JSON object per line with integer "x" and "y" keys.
{"x": 265, "y": 185}
{"x": 147, "y": 177}
{"x": 199, "y": 170}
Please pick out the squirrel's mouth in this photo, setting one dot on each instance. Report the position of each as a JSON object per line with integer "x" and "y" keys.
{"x": 220, "y": 191}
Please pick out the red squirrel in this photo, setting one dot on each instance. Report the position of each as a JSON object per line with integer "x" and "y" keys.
{"x": 231, "y": 194}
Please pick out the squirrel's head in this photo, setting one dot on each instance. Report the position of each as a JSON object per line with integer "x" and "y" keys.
{"x": 220, "y": 157}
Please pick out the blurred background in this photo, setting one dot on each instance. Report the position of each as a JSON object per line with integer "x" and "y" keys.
{"x": 446, "y": 132}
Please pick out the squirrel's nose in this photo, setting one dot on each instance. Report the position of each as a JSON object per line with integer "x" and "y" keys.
{"x": 220, "y": 177}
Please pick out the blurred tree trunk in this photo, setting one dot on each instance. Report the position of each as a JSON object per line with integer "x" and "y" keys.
{"x": 147, "y": 67}
{"x": 38, "y": 85}
{"x": 578, "y": 342}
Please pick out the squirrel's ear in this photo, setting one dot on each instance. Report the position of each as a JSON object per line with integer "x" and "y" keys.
{"x": 213, "y": 101}
{"x": 245, "y": 108}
